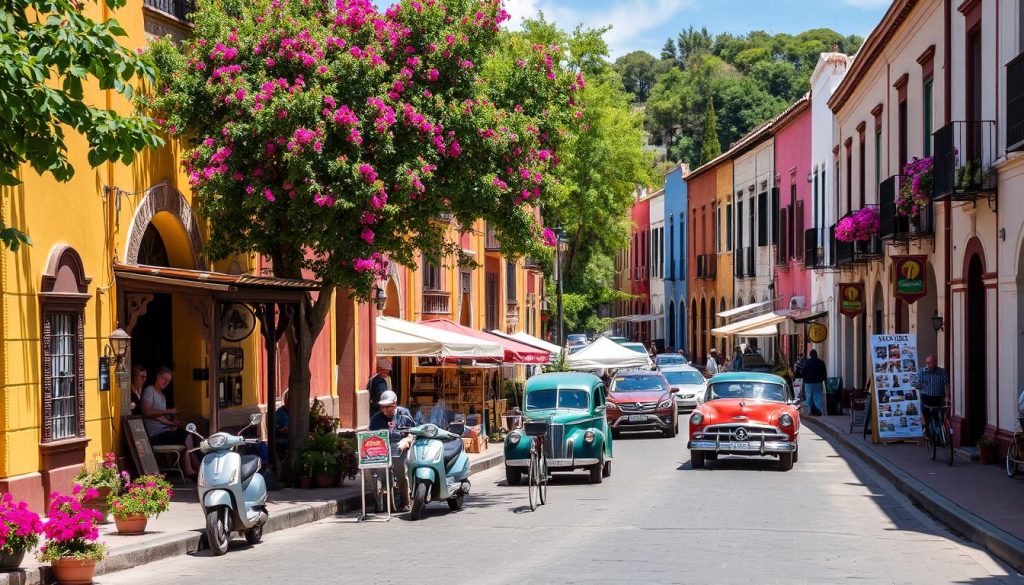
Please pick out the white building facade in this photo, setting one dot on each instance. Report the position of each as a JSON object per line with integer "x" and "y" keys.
{"x": 657, "y": 264}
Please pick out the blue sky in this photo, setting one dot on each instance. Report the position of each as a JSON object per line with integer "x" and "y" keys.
{"x": 645, "y": 24}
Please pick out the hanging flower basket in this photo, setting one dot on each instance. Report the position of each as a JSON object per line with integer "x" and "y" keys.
{"x": 916, "y": 187}
{"x": 860, "y": 226}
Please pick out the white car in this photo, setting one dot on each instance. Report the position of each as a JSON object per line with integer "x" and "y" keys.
{"x": 691, "y": 384}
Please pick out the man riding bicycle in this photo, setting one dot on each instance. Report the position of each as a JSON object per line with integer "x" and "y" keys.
{"x": 396, "y": 421}
{"x": 931, "y": 381}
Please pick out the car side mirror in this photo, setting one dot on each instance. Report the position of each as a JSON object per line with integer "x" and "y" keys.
{"x": 674, "y": 390}
{"x": 601, "y": 408}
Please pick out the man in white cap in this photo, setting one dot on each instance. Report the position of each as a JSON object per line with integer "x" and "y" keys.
{"x": 379, "y": 384}
{"x": 393, "y": 419}
{"x": 711, "y": 367}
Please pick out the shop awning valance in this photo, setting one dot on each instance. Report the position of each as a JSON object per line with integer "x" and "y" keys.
{"x": 606, "y": 354}
{"x": 397, "y": 337}
{"x": 534, "y": 341}
{"x": 808, "y": 316}
{"x": 513, "y": 352}
{"x": 757, "y": 326}
{"x": 737, "y": 310}
{"x": 640, "y": 318}
{"x": 226, "y": 287}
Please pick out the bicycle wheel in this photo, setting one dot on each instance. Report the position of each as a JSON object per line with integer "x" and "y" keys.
{"x": 1013, "y": 455}
{"x": 534, "y": 486}
{"x": 930, "y": 439}
{"x": 543, "y": 478}
{"x": 947, "y": 444}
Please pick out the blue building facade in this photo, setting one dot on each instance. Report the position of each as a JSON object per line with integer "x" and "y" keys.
{"x": 675, "y": 257}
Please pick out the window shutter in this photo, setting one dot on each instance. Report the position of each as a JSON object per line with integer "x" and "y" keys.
{"x": 762, "y": 219}
{"x": 783, "y": 251}
{"x": 798, "y": 222}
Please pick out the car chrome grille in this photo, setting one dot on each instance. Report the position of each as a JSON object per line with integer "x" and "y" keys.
{"x": 633, "y": 407}
{"x": 729, "y": 432}
{"x": 554, "y": 443}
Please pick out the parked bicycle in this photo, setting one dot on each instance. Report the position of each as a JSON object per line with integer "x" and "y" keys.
{"x": 1015, "y": 452}
{"x": 938, "y": 434}
{"x": 538, "y": 470}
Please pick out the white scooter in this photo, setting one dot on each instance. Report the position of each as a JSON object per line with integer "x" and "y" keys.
{"x": 233, "y": 495}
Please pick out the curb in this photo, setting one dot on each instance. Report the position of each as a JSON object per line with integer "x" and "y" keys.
{"x": 184, "y": 543}
{"x": 1002, "y": 544}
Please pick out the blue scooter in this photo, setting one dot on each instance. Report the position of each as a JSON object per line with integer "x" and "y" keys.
{"x": 438, "y": 468}
{"x": 232, "y": 494}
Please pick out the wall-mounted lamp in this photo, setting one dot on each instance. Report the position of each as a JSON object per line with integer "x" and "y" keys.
{"x": 381, "y": 298}
{"x": 1002, "y": 234}
{"x": 809, "y": 179}
{"x": 117, "y": 346}
{"x": 937, "y": 322}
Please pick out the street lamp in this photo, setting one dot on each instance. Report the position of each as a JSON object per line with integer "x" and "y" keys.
{"x": 560, "y": 323}
{"x": 117, "y": 346}
{"x": 381, "y": 298}
{"x": 937, "y": 322}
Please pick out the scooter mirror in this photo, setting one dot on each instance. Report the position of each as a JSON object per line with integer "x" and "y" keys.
{"x": 255, "y": 418}
{"x": 190, "y": 427}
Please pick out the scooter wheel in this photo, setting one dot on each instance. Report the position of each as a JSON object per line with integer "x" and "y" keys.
{"x": 217, "y": 533}
{"x": 419, "y": 501}
{"x": 254, "y": 535}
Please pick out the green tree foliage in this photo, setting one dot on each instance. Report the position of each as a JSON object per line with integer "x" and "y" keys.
{"x": 49, "y": 50}
{"x": 639, "y": 70}
{"x": 668, "y": 51}
{"x": 289, "y": 158}
{"x": 750, "y": 78}
{"x": 710, "y": 147}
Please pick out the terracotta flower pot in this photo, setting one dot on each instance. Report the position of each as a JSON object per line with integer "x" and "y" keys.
{"x": 305, "y": 482}
{"x": 135, "y": 524}
{"x": 11, "y": 560}
{"x": 99, "y": 503}
{"x": 73, "y": 571}
{"x": 324, "y": 480}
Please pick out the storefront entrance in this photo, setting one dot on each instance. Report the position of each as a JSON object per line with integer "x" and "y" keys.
{"x": 976, "y": 350}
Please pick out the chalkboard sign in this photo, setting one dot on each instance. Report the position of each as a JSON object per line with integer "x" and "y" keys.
{"x": 138, "y": 443}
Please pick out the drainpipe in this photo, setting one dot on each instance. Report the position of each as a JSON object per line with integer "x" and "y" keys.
{"x": 947, "y": 207}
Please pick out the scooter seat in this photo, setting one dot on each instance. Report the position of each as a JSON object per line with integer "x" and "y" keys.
{"x": 452, "y": 450}
{"x": 250, "y": 465}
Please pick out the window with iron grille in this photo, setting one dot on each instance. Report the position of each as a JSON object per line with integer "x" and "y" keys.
{"x": 63, "y": 375}
{"x": 762, "y": 218}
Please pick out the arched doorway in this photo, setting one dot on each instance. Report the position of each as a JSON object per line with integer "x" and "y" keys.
{"x": 703, "y": 329}
{"x": 712, "y": 323}
{"x": 152, "y": 344}
{"x": 393, "y": 306}
{"x": 976, "y": 350}
{"x": 927, "y": 338}
{"x": 693, "y": 329}
{"x": 722, "y": 342}
{"x": 670, "y": 325}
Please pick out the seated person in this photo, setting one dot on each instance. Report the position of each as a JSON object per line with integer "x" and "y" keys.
{"x": 162, "y": 424}
{"x": 282, "y": 423}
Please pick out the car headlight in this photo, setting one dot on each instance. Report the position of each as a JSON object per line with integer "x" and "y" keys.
{"x": 217, "y": 441}
{"x": 786, "y": 420}
{"x": 514, "y": 438}
{"x": 666, "y": 403}
{"x": 589, "y": 436}
{"x": 696, "y": 418}
{"x": 612, "y": 406}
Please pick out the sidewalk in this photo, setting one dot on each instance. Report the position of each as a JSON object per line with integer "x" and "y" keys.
{"x": 977, "y": 501}
{"x": 180, "y": 531}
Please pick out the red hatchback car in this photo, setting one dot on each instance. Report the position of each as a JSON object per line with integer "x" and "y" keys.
{"x": 642, "y": 400}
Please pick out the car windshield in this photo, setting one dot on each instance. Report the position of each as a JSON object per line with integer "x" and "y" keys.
{"x": 637, "y": 347}
{"x": 638, "y": 383}
{"x": 747, "y": 390}
{"x": 567, "y": 398}
{"x": 670, "y": 359}
{"x": 576, "y": 338}
{"x": 687, "y": 377}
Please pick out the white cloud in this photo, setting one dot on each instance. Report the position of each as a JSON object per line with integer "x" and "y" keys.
{"x": 867, "y": 4}
{"x": 631, "y": 20}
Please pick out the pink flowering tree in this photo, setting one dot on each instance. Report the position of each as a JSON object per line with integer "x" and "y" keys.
{"x": 329, "y": 136}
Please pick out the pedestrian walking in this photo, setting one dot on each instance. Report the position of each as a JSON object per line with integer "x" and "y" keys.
{"x": 737, "y": 359}
{"x": 711, "y": 367}
{"x": 379, "y": 384}
{"x": 814, "y": 374}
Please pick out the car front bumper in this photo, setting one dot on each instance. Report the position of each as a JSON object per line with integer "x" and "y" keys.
{"x": 555, "y": 464}
{"x": 742, "y": 447}
{"x": 644, "y": 422}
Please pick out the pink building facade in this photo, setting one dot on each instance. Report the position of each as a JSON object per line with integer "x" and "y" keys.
{"x": 640, "y": 273}
{"x": 793, "y": 218}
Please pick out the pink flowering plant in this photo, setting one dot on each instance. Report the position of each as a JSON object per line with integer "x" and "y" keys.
{"x": 19, "y": 526}
{"x": 102, "y": 473}
{"x": 148, "y": 496}
{"x": 859, "y": 226}
{"x": 326, "y": 136}
{"x": 916, "y": 187}
{"x": 70, "y": 529}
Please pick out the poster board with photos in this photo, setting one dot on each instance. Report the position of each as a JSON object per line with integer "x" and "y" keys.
{"x": 897, "y": 401}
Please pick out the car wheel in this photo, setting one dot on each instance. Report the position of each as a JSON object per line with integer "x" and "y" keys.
{"x": 513, "y": 476}
{"x": 786, "y": 461}
{"x": 711, "y": 456}
{"x": 669, "y": 433}
{"x": 597, "y": 472}
{"x": 616, "y": 434}
{"x": 607, "y": 472}
{"x": 697, "y": 459}
{"x": 796, "y": 454}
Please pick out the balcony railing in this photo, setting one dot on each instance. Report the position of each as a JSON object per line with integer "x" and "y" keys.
{"x": 512, "y": 313}
{"x": 1015, "y": 104}
{"x": 964, "y": 153}
{"x": 901, "y": 228}
{"x": 491, "y": 240}
{"x": 751, "y": 265}
{"x": 859, "y": 252}
{"x": 737, "y": 260}
{"x": 180, "y": 9}
{"x": 437, "y": 302}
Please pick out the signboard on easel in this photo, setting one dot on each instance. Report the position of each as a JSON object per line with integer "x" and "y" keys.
{"x": 373, "y": 449}
{"x": 897, "y": 401}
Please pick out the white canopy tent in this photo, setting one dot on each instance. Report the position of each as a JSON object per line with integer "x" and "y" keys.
{"x": 737, "y": 310}
{"x": 523, "y": 337}
{"x": 606, "y": 354}
{"x": 405, "y": 338}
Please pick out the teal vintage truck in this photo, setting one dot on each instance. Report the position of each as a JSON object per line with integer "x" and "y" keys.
{"x": 573, "y": 403}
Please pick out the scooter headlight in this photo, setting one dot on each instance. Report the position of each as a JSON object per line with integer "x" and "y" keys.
{"x": 430, "y": 431}
{"x": 217, "y": 441}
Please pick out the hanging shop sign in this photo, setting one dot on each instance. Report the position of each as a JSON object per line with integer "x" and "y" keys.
{"x": 897, "y": 399}
{"x": 374, "y": 449}
{"x": 851, "y": 299}
{"x": 238, "y": 323}
{"x": 909, "y": 282}
{"x": 817, "y": 332}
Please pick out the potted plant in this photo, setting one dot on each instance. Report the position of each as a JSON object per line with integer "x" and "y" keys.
{"x": 916, "y": 188}
{"x": 19, "y": 531}
{"x": 320, "y": 458}
{"x": 102, "y": 479}
{"x": 987, "y": 450}
{"x": 71, "y": 533}
{"x": 860, "y": 226}
{"x": 147, "y": 496}
{"x": 348, "y": 461}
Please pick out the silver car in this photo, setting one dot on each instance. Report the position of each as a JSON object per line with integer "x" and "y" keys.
{"x": 691, "y": 384}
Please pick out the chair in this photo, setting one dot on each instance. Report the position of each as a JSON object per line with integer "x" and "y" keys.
{"x": 178, "y": 451}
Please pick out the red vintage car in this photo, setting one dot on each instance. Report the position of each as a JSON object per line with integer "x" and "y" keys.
{"x": 745, "y": 413}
